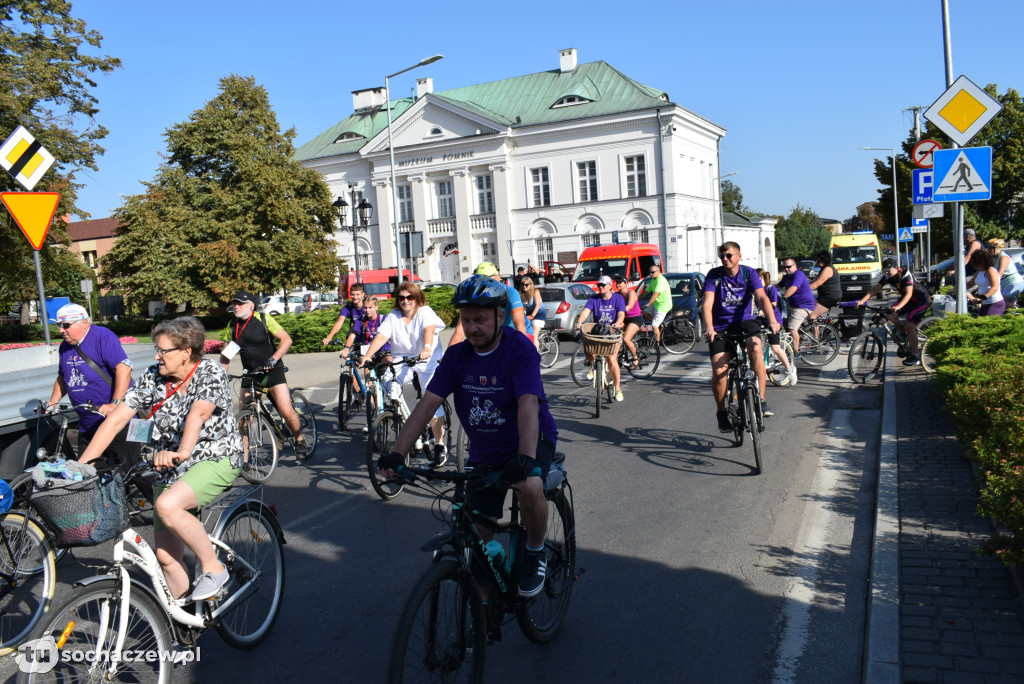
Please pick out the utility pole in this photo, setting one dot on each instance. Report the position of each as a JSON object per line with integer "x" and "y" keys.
{"x": 927, "y": 260}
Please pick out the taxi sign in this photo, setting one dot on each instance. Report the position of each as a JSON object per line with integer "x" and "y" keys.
{"x": 24, "y": 158}
{"x": 963, "y": 110}
{"x": 33, "y": 212}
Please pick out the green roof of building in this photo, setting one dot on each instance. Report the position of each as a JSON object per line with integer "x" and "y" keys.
{"x": 514, "y": 102}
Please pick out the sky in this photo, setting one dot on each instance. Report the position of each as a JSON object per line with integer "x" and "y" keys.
{"x": 799, "y": 85}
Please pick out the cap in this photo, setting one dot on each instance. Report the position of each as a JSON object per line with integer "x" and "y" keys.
{"x": 243, "y": 296}
{"x": 71, "y": 313}
{"x": 969, "y": 231}
{"x": 486, "y": 268}
{"x": 996, "y": 242}
{"x": 889, "y": 263}
{"x": 619, "y": 279}
{"x": 604, "y": 280}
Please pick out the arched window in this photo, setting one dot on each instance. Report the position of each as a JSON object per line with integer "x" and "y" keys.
{"x": 348, "y": 135}
{"x": 569, "y": 101}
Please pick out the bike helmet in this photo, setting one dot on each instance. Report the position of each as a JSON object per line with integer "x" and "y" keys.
{"x": 480, "y": 290}
{"x": 486, "y": 268}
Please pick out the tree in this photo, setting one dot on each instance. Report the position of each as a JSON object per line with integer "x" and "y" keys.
{"x": 732, "y": 198}
{"x": 230, "y": 209}
{"x": 800, "y": 234}
{"x": 45, "y": 85}
{"x": 865, "y": 219}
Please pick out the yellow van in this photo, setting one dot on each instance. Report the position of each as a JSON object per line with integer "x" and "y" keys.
{"x": 857, "y": 258}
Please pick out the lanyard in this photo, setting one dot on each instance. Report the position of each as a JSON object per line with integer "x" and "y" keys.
{"x": 170, "y": 393}
{"x": 370, "y": 330}
{"x": 238, "y": 333}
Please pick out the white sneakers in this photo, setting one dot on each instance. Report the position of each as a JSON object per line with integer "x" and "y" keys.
{"x": 792, "y": 375}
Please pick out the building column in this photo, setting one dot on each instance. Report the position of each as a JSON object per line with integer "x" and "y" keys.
{"x": 385, "y": 230}
{"x": 503, "y": 215}
{"x": 420, "y": 191}
{"x": 463, "y": 192}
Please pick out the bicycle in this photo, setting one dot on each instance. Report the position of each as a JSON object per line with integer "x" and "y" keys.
{"x": 444, "y": 627}
{"x": 388, "y": 424}
{"x": 679, "y": 334}
{"x": 867, "y": 353}
{"x": 263, "y": 436}
{"x": 819, "y": 341}
{"x": 28, "y": 577}
{"x": 774, "y": 367}
{"x": 743, "y": 398}
{"x": 114, "y": 616}
{"x": 647, "y": 359}
{"x": 598, "y": 346}
{"x": 369, "y": 389}
{"x": 547, "y": 343}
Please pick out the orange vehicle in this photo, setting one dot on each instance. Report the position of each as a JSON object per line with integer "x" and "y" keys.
{"x": 379, "y": 282}
{"x": 632, "y": 260}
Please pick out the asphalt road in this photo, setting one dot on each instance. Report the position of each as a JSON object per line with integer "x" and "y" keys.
{"x": 696, "y": 568}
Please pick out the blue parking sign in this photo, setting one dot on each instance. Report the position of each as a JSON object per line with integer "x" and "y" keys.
{"x": 923, "y": 186}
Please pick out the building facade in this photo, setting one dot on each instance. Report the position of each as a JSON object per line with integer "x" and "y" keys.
{"x": 531, "y": 169}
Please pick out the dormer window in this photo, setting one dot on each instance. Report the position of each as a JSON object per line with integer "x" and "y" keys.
{"x": 348, "y": 135}
{"x": 569, "y": 101}
{"x": 435, "y": 132}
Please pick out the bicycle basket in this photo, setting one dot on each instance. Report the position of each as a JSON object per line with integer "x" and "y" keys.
{"x": 83, "y": 513}
{"x": 851, "y": 322}
{"x": 599, "y": 345}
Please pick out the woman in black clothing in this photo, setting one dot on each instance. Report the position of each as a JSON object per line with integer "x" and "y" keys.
{"x": 827, "y": 285}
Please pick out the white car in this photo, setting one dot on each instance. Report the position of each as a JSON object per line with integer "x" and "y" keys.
{"x": 275, "y": 306}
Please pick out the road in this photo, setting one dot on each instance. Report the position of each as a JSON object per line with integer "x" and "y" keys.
{"x": 696, "y": 568}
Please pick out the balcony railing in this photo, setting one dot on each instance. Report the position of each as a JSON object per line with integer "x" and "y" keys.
{"x": 406, "y": 226}
{"x": 440, "y": 227}
{"x": 482, "y": 223}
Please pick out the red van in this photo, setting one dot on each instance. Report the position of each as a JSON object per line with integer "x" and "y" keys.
{"x": 632, "y": 260}
{"x": 378, "y": 282}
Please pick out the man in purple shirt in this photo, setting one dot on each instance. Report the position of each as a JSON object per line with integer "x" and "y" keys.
{"x": 609, "y": 308}
{"x": 729, "y": 293}
{"x": 494, "y": 377}
{"x": 796, "y": 289}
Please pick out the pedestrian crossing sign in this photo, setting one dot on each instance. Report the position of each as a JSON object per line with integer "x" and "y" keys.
{"x": 962, "y": 174}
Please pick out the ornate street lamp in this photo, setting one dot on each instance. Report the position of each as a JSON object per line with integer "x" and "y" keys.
{"x": 364, "y": 210}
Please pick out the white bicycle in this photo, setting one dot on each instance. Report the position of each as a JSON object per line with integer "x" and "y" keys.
{"x": 116, "y": 628}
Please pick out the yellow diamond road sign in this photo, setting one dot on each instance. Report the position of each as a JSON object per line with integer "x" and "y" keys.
{"x": 963, "y": 110}
{"x": 24, "y": 158}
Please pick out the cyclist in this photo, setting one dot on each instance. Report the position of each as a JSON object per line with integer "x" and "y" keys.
{"x": 634, "y": 315}
{"x": 830, "y": 291}
{"x": 986, "y": 278}
{"x": 912, "y": 304}
{"x": 796, "y": 289}
{"x": 254, "y": 336}
{"x": 971, "y": 245}
{"x": 533, "y": 306}
{"x": 660, "y": 302}
{"x": 609, "y": 308}
{"x": 730, "y": 292}
{"x": 494, "y": 378}
{"x": 1011, "y": 283}
{"x": 190, "y": 420}
{"x": 515, "y": 313}
{"x": 353, "y": 309}
{"x": 413, "y": 330}
{"x": 775, "y": 339}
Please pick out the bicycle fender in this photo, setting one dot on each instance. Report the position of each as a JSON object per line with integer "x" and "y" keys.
{"x": 439, "y": 541}
{"x": 225, "y": 515}
{"x": 137, "y": 585}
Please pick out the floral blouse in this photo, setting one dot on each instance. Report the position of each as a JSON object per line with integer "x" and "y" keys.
{"x": 218, "y": 438}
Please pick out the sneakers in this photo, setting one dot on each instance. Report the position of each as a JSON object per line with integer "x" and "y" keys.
{"x": 618, "y": 395}
{"x": 912, "y": 360}
{"x": 209, "y": 584}
{"x": 765, "y": 411}
{"x": 301, "y": 450}
{"x": 440, "y": 456}
{"x": 724, "y": 424}
{"x": 532, "y": 573}
{"x": 792, "y": 375}
{"x": 590, "y": 372}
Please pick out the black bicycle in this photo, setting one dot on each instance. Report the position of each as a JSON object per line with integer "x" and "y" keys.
{"x": 743, "y": 398}
{"x": 867, "y": 353}
{"x": 445, "y": 627}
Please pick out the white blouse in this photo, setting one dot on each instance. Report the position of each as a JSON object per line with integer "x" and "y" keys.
{"x": 407, "y": 337}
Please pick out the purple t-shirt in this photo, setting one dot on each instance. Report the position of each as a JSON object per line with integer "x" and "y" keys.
{"x": 733, "y": 295}
{"x": 84, "y": 384}
{"x": 606, "y": 310}
{"x": 366, "y": 330}
{"x": 773, "y": 297}
{"x": 350, "y": 311}
{"x": 803, "y": 298}
{"x": 486, "y": 391}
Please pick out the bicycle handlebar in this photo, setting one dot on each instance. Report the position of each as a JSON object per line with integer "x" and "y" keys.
{"x": 60, "y": 409}
{"x": 409, "y": 475}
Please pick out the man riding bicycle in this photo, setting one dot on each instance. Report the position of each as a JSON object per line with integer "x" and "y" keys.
{"x": 729, "y": 291}
{"x": 494, "y": 377}
{"x": 912, "y": 304}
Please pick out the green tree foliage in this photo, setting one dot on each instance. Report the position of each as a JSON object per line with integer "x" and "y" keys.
{"x": 865, "y": 219}
{"x": 46, "y": 79}
{"x": 230, "y": 209}
{"x": 732, "y": 198}
{"x": 800, "y": 234}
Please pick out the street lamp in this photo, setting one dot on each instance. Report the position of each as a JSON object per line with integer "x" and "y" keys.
{"x": 895, "y": 218}
{"x": 391, "y": 151}
{"x": 364, "y": 211}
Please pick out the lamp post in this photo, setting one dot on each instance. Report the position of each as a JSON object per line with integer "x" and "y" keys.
{"x": 364, "y": 210}
{"x": 391, "y": 151}
{"x": 895, "y": 216}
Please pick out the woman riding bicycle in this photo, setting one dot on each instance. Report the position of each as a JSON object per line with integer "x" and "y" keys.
{"x": 775, "y": 338}
{"x": 534, "y": 306}
{"x": 634, "y": 315}
{"x": 191, "y": 423}
{"x": 413, "y": 329}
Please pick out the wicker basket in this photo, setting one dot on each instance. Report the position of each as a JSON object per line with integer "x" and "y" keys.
{"x": 599, "y": 345}
{"x": 83, "y": 513}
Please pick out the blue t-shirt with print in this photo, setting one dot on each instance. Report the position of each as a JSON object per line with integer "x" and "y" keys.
{"x": 516, "y": 302}
{"x": 734, "y": 295}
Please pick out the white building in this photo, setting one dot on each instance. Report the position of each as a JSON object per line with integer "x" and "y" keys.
{"x": 548, "y": 163}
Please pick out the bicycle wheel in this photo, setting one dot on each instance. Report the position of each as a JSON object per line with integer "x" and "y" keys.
{"x": 461, "y": 449}
{"x": 819, "y": 344}
{"x": 578, "y": 367}
{"x": 371, "y": 405}
{"x": 344, "y": 399}
{"x": 255, "y": 539}
{"x": 678, "y": 335}
{"x": 752, "y": 411}
{"x": 777, "y": 372}
{"x": 609, "y": 384}
{"x": 648, "y": 356}
{"x": 139, "y": 507}
{"x": 442, "y": 632}
{"x": 599, "y": 371}
{"x": 928, "y": 362}
{"x": 307, "y": 421}
{"x": 261, "y": 452}
{"x": 735, "y": 411}
{"x": 548, "y": 342}
{"x": 22, "y": 487}
{"x": 541, "y": 616}
{"x": 77, "y": 623}
{"x": 28, "y": 576}
{"x": 865, "y": 359}
{"x": 379, "y": 442}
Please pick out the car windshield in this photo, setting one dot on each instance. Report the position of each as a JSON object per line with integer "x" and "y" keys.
{"x": 864, "y": 254}
{"x": 681, "y": 286}
{"x": 594, "y": 269}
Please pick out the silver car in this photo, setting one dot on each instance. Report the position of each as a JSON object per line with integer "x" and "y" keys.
{"x": 563, "y": 303}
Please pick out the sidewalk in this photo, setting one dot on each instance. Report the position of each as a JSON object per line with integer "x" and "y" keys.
{"x": 959, "y": 616}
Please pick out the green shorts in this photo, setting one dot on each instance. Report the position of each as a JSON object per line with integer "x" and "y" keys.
{"x": 206, "y": 478}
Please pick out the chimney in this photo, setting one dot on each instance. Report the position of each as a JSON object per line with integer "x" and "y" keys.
{"x": 367, "y": 98}
{"x": 424, "y": 86}
{"x": 567, "y": 60}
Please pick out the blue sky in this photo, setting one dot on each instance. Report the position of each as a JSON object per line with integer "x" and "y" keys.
{"x": 800, "y": 85}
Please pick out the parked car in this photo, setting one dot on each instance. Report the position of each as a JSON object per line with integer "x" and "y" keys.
{"x": 563, "y": 303}
{"x": 275, "y": 306}
{"x": 808, "y": 266}
{"x": 313, "y": 301}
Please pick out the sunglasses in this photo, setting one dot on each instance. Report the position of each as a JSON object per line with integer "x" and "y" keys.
{"x": 65, "y": 325}
{"x": 789, "y": 266}
{"x": 730, "y": 257}
{"x": 405, "y": 298}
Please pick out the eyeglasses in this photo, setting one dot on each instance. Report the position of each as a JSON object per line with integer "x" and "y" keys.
{"x": 405, "y": 298}
{"x": 65, "y": 325}
{"x": 789, "y": 266}
{"x": 162, "y": 352}
{"x": 730, "y": 257}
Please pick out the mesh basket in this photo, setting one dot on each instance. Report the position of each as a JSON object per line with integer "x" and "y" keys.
{"x": 83, "y": 513}
{"x": 599, "y": 345}
{"x": 851, "y": 322}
